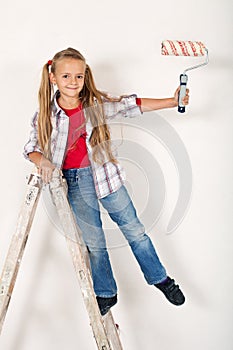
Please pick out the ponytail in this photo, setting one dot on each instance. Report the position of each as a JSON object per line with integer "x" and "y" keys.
{"x": 100, "y": 139}
{"x": 44, "y": 121}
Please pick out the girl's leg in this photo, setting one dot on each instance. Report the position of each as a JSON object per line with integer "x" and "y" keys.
{"x": 122, "y": 211}
{"x": 84, "y": 202}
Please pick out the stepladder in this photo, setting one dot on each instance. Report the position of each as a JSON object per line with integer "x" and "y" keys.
{"x": 104, "y": 329}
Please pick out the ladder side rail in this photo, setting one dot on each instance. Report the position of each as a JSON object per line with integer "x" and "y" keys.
{"x": 18, "y": 244}
{"x": 80, "y": 259}
{"x": 112, "y": 331}
{"x": 85, "y": 282}
{"x": 106, "y": 322}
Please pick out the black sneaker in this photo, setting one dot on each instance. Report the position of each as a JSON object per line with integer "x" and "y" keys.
{"x": 105, "y": 304}
{"x": 171, "y": 291}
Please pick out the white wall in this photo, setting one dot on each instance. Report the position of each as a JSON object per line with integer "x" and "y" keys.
{"x": 121, "y": 41}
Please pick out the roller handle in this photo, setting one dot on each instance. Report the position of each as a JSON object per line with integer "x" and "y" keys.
{"x": 182, "y": 93}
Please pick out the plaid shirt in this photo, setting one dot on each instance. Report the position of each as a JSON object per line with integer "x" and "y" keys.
{"x": 108, "y": 177}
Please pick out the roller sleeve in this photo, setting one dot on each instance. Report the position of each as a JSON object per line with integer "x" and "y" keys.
{"x": 182, "y": 48}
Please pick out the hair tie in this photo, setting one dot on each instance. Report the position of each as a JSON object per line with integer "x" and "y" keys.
{"x": 50, "y": 62}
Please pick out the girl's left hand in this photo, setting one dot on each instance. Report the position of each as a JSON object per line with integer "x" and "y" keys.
{"x": 185, "y": 100}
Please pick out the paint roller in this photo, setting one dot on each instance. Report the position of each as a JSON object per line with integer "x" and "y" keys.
{"x": 185, "y": 48}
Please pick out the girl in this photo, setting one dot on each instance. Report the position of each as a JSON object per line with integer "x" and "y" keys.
{"x": 70, "y": 132}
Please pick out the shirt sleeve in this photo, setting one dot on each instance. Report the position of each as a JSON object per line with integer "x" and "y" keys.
{"x": 138, "y": 101}
{"x": 126, "y": 107}
{"x": 32, "y": 145}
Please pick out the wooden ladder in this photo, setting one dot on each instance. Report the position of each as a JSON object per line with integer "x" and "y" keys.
{"x": 103, "y": 327}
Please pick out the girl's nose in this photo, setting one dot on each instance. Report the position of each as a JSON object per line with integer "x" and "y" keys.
{"x": 74, "y": 80}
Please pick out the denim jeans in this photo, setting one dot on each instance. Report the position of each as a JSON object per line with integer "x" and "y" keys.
{"x": 85, "y": 204}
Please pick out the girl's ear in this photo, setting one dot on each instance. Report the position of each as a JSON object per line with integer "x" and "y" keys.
{"x": 52, "y": 78}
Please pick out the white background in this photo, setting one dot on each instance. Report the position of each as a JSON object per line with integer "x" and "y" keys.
{"x": 121, "y": 42}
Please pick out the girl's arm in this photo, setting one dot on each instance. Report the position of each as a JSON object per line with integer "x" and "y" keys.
{"x": 45, "y": 167}
{"x": 152, "y": 104}
{"x": 35, "y": 157}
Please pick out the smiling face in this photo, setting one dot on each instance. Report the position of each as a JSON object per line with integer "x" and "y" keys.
{"x": 69, "y": 77}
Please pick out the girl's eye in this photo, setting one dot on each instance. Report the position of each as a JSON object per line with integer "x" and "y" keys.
{"x": 66, "y": 76}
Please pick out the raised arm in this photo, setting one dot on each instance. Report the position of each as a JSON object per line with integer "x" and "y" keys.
{"x": 152, "y": 104}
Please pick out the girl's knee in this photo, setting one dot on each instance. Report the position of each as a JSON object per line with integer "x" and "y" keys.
{"x": 134, "y": 233}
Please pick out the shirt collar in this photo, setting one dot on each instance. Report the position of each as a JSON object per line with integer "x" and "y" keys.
{"x": 55, "y": 106}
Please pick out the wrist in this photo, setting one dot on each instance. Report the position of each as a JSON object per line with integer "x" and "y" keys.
{"x": 35, "y": 157}
{"x": 172, "y": 102}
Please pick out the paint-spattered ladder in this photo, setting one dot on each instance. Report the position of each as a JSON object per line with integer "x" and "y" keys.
{"x": 104, "y": 328}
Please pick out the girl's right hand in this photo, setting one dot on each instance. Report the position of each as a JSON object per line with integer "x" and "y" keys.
{"x": 46, "y": 169}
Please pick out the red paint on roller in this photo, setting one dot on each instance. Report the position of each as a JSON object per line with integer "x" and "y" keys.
{"x": 173, "y": 47}
{"x": 183, "y": 48}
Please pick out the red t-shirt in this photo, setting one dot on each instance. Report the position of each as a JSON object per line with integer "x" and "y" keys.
{"x": 76, "y": 153}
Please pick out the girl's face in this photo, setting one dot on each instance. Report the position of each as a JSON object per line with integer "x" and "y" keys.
{"x": 69, "y": 77}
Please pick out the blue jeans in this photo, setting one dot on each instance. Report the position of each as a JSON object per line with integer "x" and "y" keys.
{"x": 85, "y": 205}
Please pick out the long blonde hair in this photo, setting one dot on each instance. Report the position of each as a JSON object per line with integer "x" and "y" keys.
{"x": 91, "y": 99}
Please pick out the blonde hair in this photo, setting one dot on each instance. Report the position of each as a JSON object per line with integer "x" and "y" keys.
{"x": 92, "y": 101}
